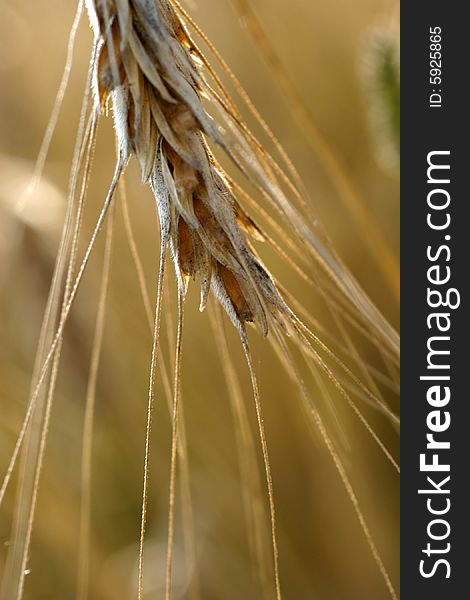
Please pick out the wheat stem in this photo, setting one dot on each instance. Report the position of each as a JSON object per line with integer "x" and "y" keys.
{"x": 251, "y": 485}
{"x": 150, "y": 407}
{"x": 267, "y": 464}
{"x": 54, "y": 116}
{"x": 174, "y": 440}
{"x": 90, "y": 401}
{"x": 292, "y": 369}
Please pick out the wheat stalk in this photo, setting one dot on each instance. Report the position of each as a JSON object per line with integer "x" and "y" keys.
{"x": 170, "y": 116}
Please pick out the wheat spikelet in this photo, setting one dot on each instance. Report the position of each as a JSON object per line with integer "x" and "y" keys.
{"x": 149, "y": 65}
{"x": 145, "y": 62}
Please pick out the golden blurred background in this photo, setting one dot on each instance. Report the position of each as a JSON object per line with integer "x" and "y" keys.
{"x": 325, "y": 47}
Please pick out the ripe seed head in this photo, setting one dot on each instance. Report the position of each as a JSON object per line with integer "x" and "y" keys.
{"x": 146, "y": 63}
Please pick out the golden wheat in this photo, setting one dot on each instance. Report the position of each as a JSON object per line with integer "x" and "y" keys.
{"x": 172, "y": 113}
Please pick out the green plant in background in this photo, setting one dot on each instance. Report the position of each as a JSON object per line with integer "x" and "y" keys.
{"x": 382, "y": 79}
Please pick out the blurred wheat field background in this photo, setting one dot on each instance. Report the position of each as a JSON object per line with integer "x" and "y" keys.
{"x": 332, "y": 52}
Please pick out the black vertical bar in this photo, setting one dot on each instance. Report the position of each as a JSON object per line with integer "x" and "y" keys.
{"x": 427, "y": 128}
